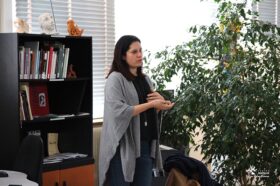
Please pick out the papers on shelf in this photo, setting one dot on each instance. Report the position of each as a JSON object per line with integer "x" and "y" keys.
{"x": 54, "y": 117}
{"x": 59, "y": 157}
{"x": 62, "y": 117}
{"x": 83, "y": 114}
{"x": 59, "y": 116}
{"x": 65, "y": 115}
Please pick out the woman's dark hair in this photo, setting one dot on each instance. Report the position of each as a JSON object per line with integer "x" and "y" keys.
{"x": 119, "y": 64}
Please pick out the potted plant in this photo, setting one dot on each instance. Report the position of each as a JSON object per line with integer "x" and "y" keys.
{"x": 236, "y": 103}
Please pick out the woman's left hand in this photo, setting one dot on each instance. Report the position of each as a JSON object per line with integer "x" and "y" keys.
{"x": 154, "y": 96}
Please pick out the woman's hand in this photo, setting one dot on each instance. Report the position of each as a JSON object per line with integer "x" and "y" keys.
{"x": 161, "y": 104}
{"x": 154, "y": 96}
{"x": 154, "y": 100}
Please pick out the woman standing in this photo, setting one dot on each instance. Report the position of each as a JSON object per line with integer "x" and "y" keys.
{"x": 129, "y": 147}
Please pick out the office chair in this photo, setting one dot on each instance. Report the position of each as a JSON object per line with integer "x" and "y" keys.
{"x": 29, "y": 159}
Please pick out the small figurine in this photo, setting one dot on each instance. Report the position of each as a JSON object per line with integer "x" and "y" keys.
{"x": 21, "y": 26}
{"x": 73, "y": 28}
{"x": 70, "y": 72}
{"x": 47, "y": 23}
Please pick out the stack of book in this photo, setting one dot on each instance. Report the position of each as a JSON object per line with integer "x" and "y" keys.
{"x": 33, "y": 101}
{"x": 49, "y": 61}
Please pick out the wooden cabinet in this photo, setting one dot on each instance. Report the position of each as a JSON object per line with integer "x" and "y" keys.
{"x": 69, "y": 113}
{"x": 51, "y": 178}
{"x": 82, "y": 175}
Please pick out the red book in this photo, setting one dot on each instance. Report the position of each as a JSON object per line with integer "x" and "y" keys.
{"x": 50, "y": 63}
{"x": 39, "y": 102}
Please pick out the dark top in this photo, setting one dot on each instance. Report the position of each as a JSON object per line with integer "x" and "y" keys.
{"x": 148, "y": 118}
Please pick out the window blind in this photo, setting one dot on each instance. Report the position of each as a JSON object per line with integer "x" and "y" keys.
{"x": 269, "y": 10}
{"x": 96, "y": 17}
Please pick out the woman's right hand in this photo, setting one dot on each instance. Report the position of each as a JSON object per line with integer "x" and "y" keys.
{"x": 158, "y": 104}
{"x": 162, "y": 104}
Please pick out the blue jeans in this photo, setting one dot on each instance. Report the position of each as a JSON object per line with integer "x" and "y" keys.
{"x": 143, "y": 170}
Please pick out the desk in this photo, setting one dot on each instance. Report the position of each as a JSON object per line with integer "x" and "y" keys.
{"x": 16, "y": 178}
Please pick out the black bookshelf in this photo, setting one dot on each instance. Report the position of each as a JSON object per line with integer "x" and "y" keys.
{"x": 66, "y": 96}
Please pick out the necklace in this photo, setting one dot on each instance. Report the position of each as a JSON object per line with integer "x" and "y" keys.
{"x": 145, "y": 119}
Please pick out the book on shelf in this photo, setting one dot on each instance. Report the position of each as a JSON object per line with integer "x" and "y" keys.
{"x": 34, "y": 59}
{"x": 49, "y": 61}
{"x": 57, "y": 61}
{"x": 65, "y": 63}
{"x": 24, "y": 97}
{"x": 52, "y": 143}
{"x": 27, "y": 59}
{"x": 25, "y": 105}
{"x": 59, "y": 48}
{"x": 21, "y": 61}
{"x": 54, "y": 64}
{"x": 39, "y": 100}
{"x": 21, "y": 108}
{"x": 43, "y": 64}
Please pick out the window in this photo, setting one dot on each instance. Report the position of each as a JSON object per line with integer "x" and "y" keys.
{"x": 160, "y": 23}
{"x": 269, "y": 10}
{"x": 95, "y": 16}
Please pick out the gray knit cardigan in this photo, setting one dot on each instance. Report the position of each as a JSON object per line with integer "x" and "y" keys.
{"x": 121, "y": 128}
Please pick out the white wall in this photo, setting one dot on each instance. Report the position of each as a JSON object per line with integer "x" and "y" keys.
{"x": 6, "y": 15}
